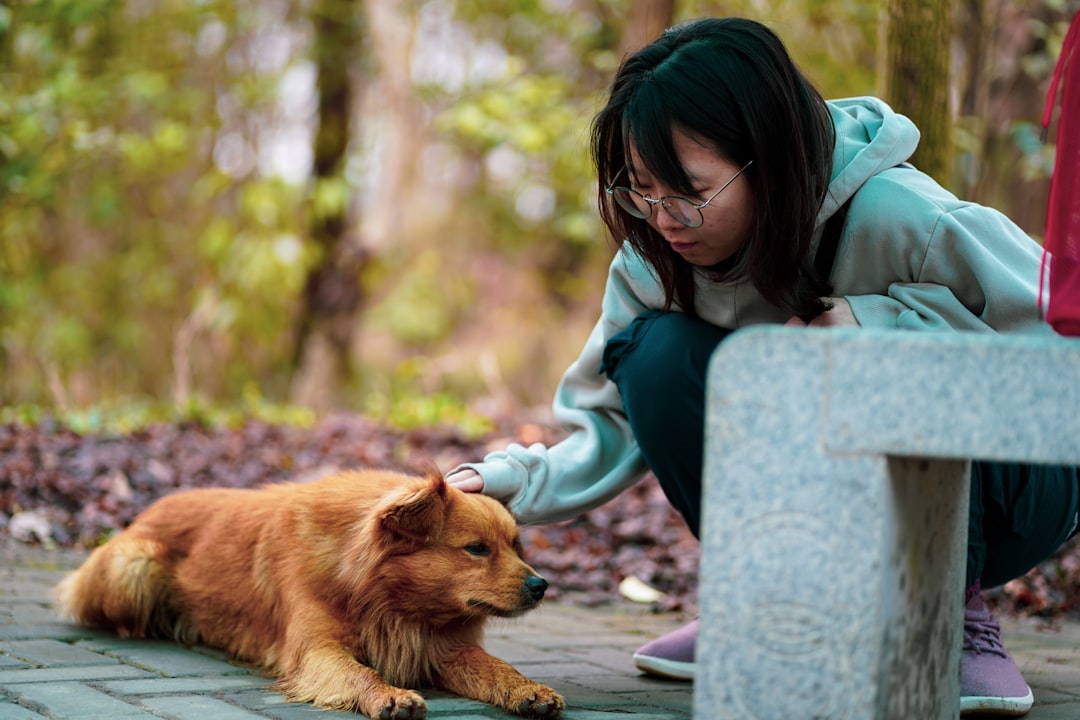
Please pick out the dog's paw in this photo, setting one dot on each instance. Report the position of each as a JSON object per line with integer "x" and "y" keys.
{"x": 403, "y": 705}
{"x": 539, "y": 701}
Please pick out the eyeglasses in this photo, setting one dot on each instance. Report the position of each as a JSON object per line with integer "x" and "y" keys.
{"x": 684, "y": 211}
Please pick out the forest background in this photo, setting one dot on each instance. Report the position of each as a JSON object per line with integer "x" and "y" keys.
{"x": 382, "y": 207}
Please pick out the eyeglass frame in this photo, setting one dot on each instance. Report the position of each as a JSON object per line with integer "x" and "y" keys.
{"x": 650, "y": 202}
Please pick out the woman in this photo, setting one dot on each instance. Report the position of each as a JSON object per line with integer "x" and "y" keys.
{"x": 739, "y": 196}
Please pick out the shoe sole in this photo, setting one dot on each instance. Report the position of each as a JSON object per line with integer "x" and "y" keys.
{"x": 671, "y": 669}
{"x": 1002, "y": 707}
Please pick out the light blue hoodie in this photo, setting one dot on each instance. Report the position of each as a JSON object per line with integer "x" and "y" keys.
{"x": 911, "y": 256}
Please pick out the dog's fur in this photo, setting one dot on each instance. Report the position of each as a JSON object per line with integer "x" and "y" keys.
{"x": 350, "y": 590}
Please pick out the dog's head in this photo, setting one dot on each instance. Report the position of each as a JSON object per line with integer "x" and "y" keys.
{"x": 455, "y": 554}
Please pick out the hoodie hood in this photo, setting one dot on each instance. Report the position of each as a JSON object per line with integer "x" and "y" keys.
{"x": 870, "y": 137}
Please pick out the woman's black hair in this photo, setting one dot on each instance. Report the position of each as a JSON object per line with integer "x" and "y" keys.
{"x": 730, "y": 84}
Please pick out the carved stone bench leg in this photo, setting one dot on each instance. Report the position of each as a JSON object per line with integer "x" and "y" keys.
{"x": 831, "y": 582}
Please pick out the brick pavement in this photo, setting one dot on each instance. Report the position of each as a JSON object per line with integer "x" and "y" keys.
{"x": 52, "y": 669}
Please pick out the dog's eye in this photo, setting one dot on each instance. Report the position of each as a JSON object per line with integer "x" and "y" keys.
{"x": 478, "y": 549}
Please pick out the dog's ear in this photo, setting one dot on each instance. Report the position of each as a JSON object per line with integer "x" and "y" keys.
{"x": 417, "y": 516}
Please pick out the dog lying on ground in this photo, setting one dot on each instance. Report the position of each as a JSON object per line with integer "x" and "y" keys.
{"x": 351, "y": 590}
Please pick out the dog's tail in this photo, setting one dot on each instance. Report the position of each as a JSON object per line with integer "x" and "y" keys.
{"x": 125, "y": 585}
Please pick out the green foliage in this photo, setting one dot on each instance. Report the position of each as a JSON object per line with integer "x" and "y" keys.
{"x": 557, "y": 182}
{"x": 834, "y": 42}
{"x": 1037, "y": 157}
{"x": 129, "y": 416}
{"x": 401, "y": 401}
{"x": 148, "y": 249}
{"x": 119, "y": 217}
{"x": 418, "y": 310}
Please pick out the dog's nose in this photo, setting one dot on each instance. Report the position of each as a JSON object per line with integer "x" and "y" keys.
{"x": 535, "y": 586}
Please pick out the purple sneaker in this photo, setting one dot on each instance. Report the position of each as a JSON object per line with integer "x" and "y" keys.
{"x": 990, "y": 682}
{"x": 671, "y": 655}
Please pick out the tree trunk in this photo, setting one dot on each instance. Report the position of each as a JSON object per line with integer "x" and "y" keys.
{"x": 644, "y": 23}
{"x": 916, "y": 71}
{"x": 400, "y": 131}
{"x": 1007, "y": 95}
{"x": 332, "y": 295}
{"x": 979, "y": 19}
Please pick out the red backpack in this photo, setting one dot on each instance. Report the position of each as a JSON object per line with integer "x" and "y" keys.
{"x": 1061, "y": 249}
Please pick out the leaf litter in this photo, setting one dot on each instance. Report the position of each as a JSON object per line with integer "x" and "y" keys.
{"x": 62, "y": 489}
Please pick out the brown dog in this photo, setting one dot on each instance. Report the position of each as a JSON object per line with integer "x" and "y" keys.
{"x": 349, "y": 590}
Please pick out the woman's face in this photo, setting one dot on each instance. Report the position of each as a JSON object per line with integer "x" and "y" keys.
{"x": 726, "y": 220}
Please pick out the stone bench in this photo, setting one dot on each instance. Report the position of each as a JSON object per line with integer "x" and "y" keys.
{"x": 835, "y": 519}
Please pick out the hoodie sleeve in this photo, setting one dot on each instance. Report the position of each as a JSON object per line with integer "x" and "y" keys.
{"x": 599, "y": 458}
{"x": 919, "y": 259}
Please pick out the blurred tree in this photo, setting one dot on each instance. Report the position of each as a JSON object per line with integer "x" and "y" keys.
{"x": 1007, "y": 56}
{"x": 394, "y": 122}
{"x": 177, "y": 221}
{"x": 498, "y": 235}
{"x": 916, "y": 75}
{"x": 645, "y": 20}
{"x": 144, "y": 222}
{"x": 835, "y": 42}
{"x": 331, "y": 296}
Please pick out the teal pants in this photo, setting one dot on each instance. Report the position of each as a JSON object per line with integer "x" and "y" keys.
{"x": 1020, "y": 513}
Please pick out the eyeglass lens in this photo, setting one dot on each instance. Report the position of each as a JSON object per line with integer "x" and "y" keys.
{"x": 635, "y": 204}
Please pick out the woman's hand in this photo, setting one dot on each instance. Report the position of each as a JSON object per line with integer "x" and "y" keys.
{"x": 839, "y": 316}
{"x": 466, "y": 480}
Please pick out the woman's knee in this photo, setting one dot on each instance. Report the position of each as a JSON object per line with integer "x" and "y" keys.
{"x": 661, "y": 353}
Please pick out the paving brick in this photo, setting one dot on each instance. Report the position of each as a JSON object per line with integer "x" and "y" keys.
{"x": 583, "y": 697}
{"x": 186, "y": 707}
{"x": 164, "y": 658}
{"x": 116, "y": 671}
{"x": 76, "y": 700}
{"x": 10, "y": 711}
{"x": 443, "y": 704}
{"x": 273, "y": 705}
{"x": 567, "y": 668}
{"x": 20, "y": 589}
{"x": 195, "y": 685}
{"x": 629, "y": 683}
{"x": 55, "y": 630}
{"x": 1044, "y": 696}
{"x": 606, "y": 659}
{"x": 51, "y": 653}
{"x": 671, "y": 700}
{"x": 1066, "y": 711}
{"x": 553, "y": 641}
{"x": 32, "y": 613}
{"x": 638, "y": 714}
{"x": 10, "y": 662}
{"x": 514, "y": 651}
